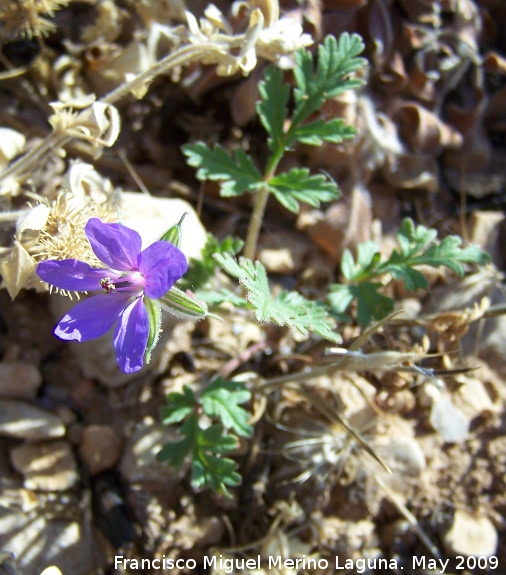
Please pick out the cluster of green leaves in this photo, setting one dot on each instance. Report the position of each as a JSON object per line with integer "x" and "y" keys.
{"x": 417, "y": 246}
{"x": 206, "y": 446}
{"x": 315, "y": 83}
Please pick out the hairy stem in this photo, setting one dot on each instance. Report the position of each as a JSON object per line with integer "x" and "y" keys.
{"x": 255, "y": 222}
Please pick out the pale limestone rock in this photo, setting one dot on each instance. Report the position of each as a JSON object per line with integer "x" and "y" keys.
{"x": 100, "y": 448}
{"x": 19, "y": 380}
{"x": 25, "y": 421}
{"x": 470, "y": 536}
{"x": 283, "y": 252}
{"x": 48, "y": 466}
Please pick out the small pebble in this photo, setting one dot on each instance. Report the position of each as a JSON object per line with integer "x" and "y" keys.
{"x": 48, "y": 466}
{"x": 22, "y": 420}
{"x": 100, "y": 448}
{"x": 19, "y": 380}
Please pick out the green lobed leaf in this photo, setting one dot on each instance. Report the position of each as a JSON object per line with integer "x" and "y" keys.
{"x": 272, "y": 107}
{"x": 205, "y": 447}
{"x": 222, "y": 398}
{"x": 315, "y": 133}
{"x": 451, "y": 254}
{"x": 336, "y": 59}
{"x": 368, "y": 258}
{"x": 298, "y": 185}
{"x": 287, "y": 308}
{"x": 371, "y": 304}
{"x": 176, "y": 452}
{"x": 237, "y": 172}
{"x": 179, "y": 406}
{"x": 215, "y": 472}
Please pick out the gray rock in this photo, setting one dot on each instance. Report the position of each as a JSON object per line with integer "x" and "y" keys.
{"x": 19, "y": 380}
{"x": 48, "y": 466}
{"x": 22, "y": 420}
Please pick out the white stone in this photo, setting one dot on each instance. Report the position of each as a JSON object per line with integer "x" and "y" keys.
{"x": 471, "y": 536}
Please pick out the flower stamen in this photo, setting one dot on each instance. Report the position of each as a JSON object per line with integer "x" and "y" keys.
{"x": 107, "y": 285}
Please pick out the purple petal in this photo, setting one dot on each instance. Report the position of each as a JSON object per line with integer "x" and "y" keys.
{"x": 131, "y": 337}
{"x": 162, "y": 264}
{"x": 114, "y": 244}
{"x": 92, "y": 317}
{"x": 73, "y": 275}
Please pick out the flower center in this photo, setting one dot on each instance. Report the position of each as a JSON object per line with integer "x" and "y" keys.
{"x": 107, "y": 285}
{"x": 133, "y": 282}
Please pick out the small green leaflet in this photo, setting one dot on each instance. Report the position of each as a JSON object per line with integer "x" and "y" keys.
{"x": 272, "y": 107}
{"x": 298, "y": 185}
{"x": 287, "y": 308}
{"x": 237, "y": 172}
{"x": 222, "y": 398}
{"x": 336, "y": 59}
{"x": 371, "y": 304}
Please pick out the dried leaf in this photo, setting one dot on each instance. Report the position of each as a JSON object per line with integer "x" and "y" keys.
{"x": 17, "y": 269}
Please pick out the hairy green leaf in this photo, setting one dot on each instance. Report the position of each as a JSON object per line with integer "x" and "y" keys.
{"x": 287, "y": 308}
{"x": 237, "y": 172}
{"x": 221, "y": 399}
{"x": 298, "y": 185}
{"x": 179, "y": 406}
{"x": 336, "y": 59}
{"x": 315, "y": 133}
{"x": 272, "y": 107}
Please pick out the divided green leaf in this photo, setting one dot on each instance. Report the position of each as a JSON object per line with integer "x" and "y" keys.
{"x": 371, "y": 304}
{"x": 287, "y": 308}
{"x": 237, "y": 173}
{"x": 418, "y": 246}
{"x": 272, "y": 107}
{"x": 298, "y": 185}
{"x": 221, "y": 399}
{"x": 336, "y": 59}
{"x": 179, "y": 406}
{"x": 315, "y": 133}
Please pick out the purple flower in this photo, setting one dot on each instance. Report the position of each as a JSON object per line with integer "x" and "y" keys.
{"x": 130, "y": 276}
